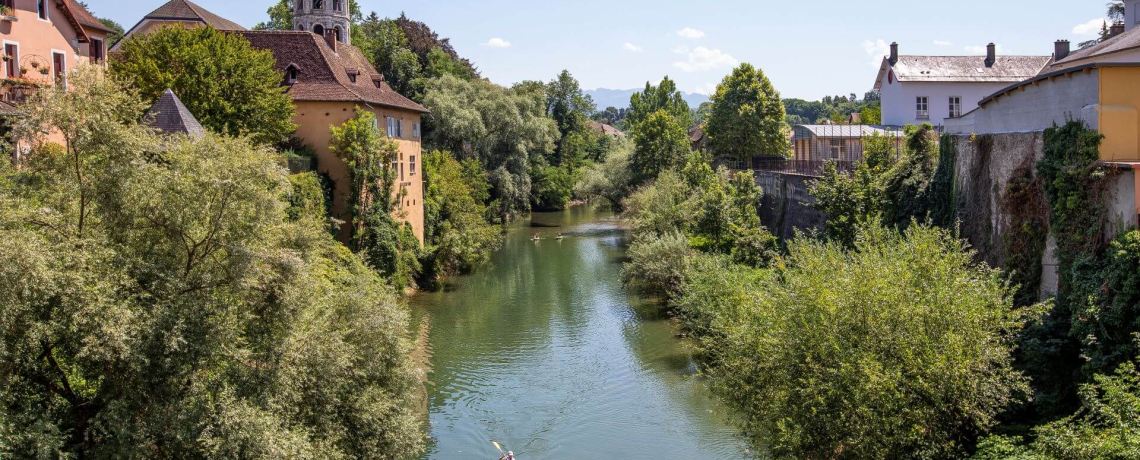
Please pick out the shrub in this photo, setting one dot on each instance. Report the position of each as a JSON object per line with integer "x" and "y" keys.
{"x": 658, "y": 265}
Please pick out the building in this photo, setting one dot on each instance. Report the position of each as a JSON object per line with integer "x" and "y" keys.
{"x": 605, "y": 130}
{"x": 178, "y": 12}
{"x": 43, "y": 39}
{"x": 1122, "y": 46}
{"x": 169, "y": 116}
{"x": 837, "y": 143}
{"x": 930, "y": 89}
{"x": 698, "y": 140}
{"x": 328, "y": 80}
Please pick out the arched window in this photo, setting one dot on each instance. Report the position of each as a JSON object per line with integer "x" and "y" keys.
{"x": 319, "y": 30}
{"x": 318, "y": 4}
{"x": 301, "y": 27}
{"x": 336, "y": 30}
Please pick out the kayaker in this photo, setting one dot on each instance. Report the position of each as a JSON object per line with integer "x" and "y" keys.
{"x": 510, "y": 455}
{"x": 537, "y": 236}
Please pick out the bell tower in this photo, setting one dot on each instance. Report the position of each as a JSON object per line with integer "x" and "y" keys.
{"x": 323, "y": 16}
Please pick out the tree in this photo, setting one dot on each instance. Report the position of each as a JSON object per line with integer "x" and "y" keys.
{"x": 505, "y": 129}
{"x": 421, "y": 40}
{"x": 660, "y": 143}
{"x": 159, "y": 303}
{"x": 747, "y": 117}
{"x": 567, "y": 104}
{"x": 457, "y": 234}
{"x": 116, "y": 32}
{"x": 229, "y": 86}
{"x": 813, "y": 354}
{"x": 280, "y": 17}
{"x": 612, "y": 179}
{"x": 663, "y": 97}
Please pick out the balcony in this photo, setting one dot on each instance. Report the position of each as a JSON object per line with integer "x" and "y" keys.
{"x": 17, "y": 91}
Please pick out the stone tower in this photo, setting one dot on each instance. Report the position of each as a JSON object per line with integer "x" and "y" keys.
{"x": 322, "y": 16}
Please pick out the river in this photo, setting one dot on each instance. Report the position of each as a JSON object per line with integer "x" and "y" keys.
{"x": 546, "y": 353}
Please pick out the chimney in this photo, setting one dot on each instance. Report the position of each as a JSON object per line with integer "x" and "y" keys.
{"x": 1061, "y": 50}
{"x": 1116, "y": 29}
{"x": 894, "y": 53}
{"x": 330, "y": 38}
{"x": 991, "y": 55}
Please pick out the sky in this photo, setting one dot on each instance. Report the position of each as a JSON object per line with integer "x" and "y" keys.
{"x": 807, "y": 49}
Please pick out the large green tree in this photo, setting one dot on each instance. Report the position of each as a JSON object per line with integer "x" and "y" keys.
{"x": 747, "y": 116}
{"x": 504, "y": 128}
{"x": 660, "y": 143}
{"x": 229, "y": 86}
{"x": 159, "y": 302}
{"x": 457, "y": 233}
{"x": 652, "y": 99}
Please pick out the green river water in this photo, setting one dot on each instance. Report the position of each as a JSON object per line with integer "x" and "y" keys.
{"x": 545, "y": 352}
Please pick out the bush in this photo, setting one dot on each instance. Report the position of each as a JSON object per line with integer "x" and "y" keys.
{"x": 907, "y": 185}
{"x": 900, "y": 349}
{"x": 552, "y": 188}
{"x": 850, "y": 201}
{"x": 658, "y": 265}
{"x": 457, "y": 235}
{"x": 307, "y": 199}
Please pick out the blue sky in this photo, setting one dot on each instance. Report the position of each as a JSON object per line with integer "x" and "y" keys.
{"x": 808, "y": 49}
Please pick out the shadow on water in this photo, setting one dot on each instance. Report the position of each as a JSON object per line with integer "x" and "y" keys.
{"x": 545, "y": 352}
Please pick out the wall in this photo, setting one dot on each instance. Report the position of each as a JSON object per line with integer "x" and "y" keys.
{"x": 787, "y": 206}
{"x": 39, "y": 38}
{"x": 1119, "y": 119}
{"x": 898, "y": 99}
{"x": 1036, "y": 107}
{"x": 314, "y": 121}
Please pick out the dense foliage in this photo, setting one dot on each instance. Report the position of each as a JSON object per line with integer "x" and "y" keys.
{"x": 747, "y": 117}
{"x": 230, "y": 87}
{"x": 160, "y": 303}
{"x": 457, "y": 234}
{"x": 611, "y": 180}
{"x": 834, "y": 109}
{"x": 660, "y": 143}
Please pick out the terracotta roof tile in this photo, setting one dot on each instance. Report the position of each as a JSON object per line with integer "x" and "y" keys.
{"x": 85, "y": 17}
{"x": 323, "y": 74}
{"x": 188, "y": 11}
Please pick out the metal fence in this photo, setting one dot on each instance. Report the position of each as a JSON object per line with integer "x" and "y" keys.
{"x": 814, "y": 168}
{"x": 816, "y": 146}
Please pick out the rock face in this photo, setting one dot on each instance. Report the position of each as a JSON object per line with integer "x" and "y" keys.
{"x": 787, "y": 205}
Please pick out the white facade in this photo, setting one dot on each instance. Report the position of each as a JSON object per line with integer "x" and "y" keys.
{"x": 900, "y": 100}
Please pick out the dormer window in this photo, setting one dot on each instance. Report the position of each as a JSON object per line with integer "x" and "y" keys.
{"x": 292, "y": 72}
{"x": 352, "y": 74}
{"x": 378, "y": 81}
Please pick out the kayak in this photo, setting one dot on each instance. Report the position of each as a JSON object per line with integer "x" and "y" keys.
{"x": 560, "y": 238}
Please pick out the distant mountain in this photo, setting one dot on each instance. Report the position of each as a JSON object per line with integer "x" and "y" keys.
{"x": 619, "y": 98}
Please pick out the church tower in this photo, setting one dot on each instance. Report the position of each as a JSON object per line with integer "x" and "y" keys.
{"x": 322, "y": 16}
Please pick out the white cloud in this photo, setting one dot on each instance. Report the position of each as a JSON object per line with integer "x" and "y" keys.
{"x": 631, "y": 47}
{"x": 943, "y": 43}
{"x": 497, "y": 43}
{"x": 707, "y": 89}
{"x": 690, "y": 32}
{"x": 981, "y": 49}
{"x": 1091, "y": 28}
{"x": 701, "y": 58}
{"x": 681, "y": 49}
{"x": 876, "y": 51}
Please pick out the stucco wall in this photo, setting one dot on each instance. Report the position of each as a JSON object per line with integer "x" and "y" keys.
{"x": 1036, "y": 107}
{"x": 898, "y": 99}
{"x": 314, "y": 121}
{"x": 787, "y": 205}
{"x": 40, "y": 38}
{"x": 1119, "y": 114}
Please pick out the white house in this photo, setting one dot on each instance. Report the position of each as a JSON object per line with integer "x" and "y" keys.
{"x": 930, "y": 89}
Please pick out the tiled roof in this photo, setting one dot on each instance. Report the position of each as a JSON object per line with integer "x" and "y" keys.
{"x": 8, "y": 110}
{"x": 187, "y": 11}
{"x": 696, "y": 134}
{"x": 970, "y": 69}
{"x": 1123, "y": 42}
{"x": 85, "y": 17}
{"x": 170, "y": 116}
{"x": 323, "y": 75}
{"x": 605, "y": 129}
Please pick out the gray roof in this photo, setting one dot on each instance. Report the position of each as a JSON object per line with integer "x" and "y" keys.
{"x": 187, "y": 11}
{"x": 1123, "y": 42}
{"x": 971, "y": 69}
{"x": 842, "y": 131}
{"x": 169, "y": 116}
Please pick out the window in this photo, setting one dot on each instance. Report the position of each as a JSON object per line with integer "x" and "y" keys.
{"x": 59, "y": 62}
{"x": 97, "y": 50}
{"x": 412, "y": 165}
{"x": 319, "y": 30}
{"x": 291, "y": 75}
{"x": 336, "y": 5}
{"x": 340, "y": 38}
{"x": 352, "y": 77}
{"x": 922, "y": 106}
{"x": 400, "y": 128}
{"x": 318, "y": 4}
{"x": 300, "y": 5}
{"x": 42, "y": 9}
{"x": 955, "y": 106}
{"x": 12, "y": 62}
{"x": 836, "y": 149}
{"x": 392, "y": 127}
{"x": 415, "y": 130}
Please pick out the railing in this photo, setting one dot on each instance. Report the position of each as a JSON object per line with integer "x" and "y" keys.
{"x": 813, "y": 168}
{"x": 18, "y": 91}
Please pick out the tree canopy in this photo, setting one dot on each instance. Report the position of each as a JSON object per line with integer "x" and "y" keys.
{"x": 229, "y": 86}
{"x": 664, "y": 96}
{"x": 747, "y": 116}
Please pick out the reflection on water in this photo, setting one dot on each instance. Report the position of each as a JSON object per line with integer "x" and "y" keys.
{"x": 547, "y": 354}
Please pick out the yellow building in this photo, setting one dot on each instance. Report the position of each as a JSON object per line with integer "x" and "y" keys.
{"x": 328, "y": 81}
